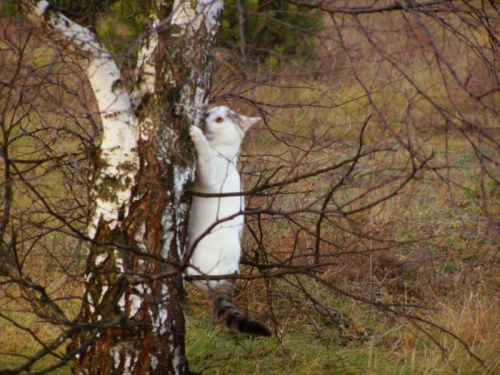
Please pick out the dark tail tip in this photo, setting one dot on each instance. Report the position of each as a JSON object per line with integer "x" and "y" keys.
{"x": 253, "y": 327}
{"x": 226, "y": 311}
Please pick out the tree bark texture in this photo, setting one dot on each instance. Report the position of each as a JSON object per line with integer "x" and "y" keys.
{"x": 130, "y": 322}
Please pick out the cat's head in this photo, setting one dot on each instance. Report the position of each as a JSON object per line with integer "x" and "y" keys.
{"x": 225, "y": 127}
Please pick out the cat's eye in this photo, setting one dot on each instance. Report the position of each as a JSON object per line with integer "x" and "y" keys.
{"x": 219, "y": 119}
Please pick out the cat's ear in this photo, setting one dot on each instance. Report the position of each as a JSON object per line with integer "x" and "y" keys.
{"x": 247, "y": 122}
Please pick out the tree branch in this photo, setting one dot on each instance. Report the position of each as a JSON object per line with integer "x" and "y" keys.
{"x": 429, "y": 6}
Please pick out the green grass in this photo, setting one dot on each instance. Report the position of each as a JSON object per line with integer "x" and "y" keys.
{"x": 391, "y": 348}
{"x": 17, "y": 344}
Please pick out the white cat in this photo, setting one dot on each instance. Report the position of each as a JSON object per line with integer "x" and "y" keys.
{"x": 216, "y": 223}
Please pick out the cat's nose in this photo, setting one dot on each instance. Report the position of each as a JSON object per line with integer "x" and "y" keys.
{"x": 205, "y": 116}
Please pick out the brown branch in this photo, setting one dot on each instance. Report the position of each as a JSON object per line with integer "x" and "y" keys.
{"x": 326, "y": 6}
{"x": 279, "y": 184}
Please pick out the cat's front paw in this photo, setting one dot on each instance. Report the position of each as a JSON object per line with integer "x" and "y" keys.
{"x": 195, "y": 133}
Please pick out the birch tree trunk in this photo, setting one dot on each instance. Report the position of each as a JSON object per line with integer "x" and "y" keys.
{"x": 131, "y": 321}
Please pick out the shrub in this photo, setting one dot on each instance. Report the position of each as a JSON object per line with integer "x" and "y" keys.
{"x": 273, "y": 29}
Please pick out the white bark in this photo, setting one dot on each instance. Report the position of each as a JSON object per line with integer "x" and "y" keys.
{"x": 145, "y": 70}
{"x": 118, "y": 157}
{"x": 189, "y": 16}
{"x": 120, "y": 131}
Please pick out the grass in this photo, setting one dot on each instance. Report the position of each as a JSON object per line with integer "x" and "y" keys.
{"x": 391, "y": 348}
{"x": 24, "y": 339}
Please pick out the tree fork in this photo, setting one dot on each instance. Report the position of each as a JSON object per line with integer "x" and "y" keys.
{"x": 138, "y": 205}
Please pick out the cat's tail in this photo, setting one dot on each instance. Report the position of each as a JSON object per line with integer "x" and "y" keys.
{"x": 226, "y": 311}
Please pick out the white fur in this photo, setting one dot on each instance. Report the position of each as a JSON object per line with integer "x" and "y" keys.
{"x": 217, "y": 149}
